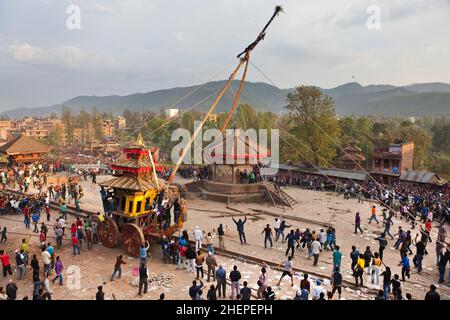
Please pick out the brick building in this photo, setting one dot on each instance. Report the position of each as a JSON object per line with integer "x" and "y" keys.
{"x": 395, "y": 159}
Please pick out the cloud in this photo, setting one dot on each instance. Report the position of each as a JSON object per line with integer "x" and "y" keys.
{"x": 66, "y": 57}
{"x": 178, "y": 36}
{"x": 353, "y": 13}
{"x": 24, "y": 52}
{"x": 103, "y": 8}
{"x": 127, "y": 46}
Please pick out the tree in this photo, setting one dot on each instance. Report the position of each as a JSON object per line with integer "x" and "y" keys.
{"x": 440, "y": 164}
{"x": 83, "y": 119}
{"x": 56, "y": 137}
{"x": 132, "y": 118}
{"x": 97, "y": 122}
{"x": 67, "y": 118}
{"x": 441, "y": 134}
{"x": 315, "y": 123}
{"x": 187, "y": 121}
{"x": 422, "y": 142}
{"x": 246, "y": 118}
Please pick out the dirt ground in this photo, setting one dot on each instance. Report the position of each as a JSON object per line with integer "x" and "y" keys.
{"x": 96, "y": 265}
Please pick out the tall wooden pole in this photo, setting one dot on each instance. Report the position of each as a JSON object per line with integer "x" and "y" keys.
{"x": 247, "y": 52}
{"x": 238, "y": 94}
{"x": 205, "y": 118}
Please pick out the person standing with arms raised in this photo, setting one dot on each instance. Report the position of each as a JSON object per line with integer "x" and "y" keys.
{"x": 240, "y": 228}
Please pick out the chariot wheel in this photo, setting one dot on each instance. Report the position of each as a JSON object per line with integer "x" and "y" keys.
{"x": 108, "y": 233}
{"x": 132, "y": 237}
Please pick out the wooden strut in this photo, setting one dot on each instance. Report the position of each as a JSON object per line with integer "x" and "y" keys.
{"x": 247, "y": 52}
{"x": 155, "y": 176}
{"x": 205, "y": 118}
{"x": 237, "y": 96}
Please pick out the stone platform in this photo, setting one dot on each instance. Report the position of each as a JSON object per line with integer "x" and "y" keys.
{"x": 62, "y": 178}
{"x": 226, "y": 192}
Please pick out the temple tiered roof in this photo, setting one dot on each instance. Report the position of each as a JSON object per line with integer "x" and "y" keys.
{"x": 236, "y": 147}
{"x": 352, "y": 152}
{"x": 136, "y": 159}
{"x": 136, "y": 167}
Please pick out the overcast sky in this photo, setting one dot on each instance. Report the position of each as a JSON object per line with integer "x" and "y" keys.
{"x": 128, "y": 46}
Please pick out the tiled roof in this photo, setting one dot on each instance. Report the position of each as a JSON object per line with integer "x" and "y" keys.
{"x": 129, "y": 182}
{"x": 236, "y": 146}
{"x": 420, "y": 176}
{"x": 23, "y": 145}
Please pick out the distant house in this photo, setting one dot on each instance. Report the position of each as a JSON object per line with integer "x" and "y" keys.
{"x": 24, "y": 149}
{"x": 421, "y": 177}
{"x": 171, "y": 112}
{"x": 388, "y": 163}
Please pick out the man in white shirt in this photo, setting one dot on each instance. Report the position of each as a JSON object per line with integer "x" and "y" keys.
{"x": 315, "y": 249}
{"x": 46, "y": 260}
{"x": 62, "y": 223}
{"x": 322, "y": 237}
{"x": 317, "y": 290}
{"x": 198, "y": 237}
{"x": 46, "y": 284}
{"x": 287, "y": 271}
{"x": 16, "y": 207}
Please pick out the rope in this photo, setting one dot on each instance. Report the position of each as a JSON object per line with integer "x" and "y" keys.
{"x": 259, "y": 169}
{"x": 315, "y": 166}
{"x": 196, "y": 132}
{"x": 236, "y": 96}
{"x": 334, "y": 142}
{"x": 172, "y": 106}
{"x": 180, "y": 114}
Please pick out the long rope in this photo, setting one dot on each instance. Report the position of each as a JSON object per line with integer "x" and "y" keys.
{"x": 183, "y": 98}
{"x": 196, "y": 132}
{"x": 257, "y": 152}
{"x": 181, "y": 113}
{"x": 156, "y": 116}
{"x": 315, "y": 166}
{"x": 321, "y": 129}
{"x": 334, "y": 142}
{"x": 237, "y": 95}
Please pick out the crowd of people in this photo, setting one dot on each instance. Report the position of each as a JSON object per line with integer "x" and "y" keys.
{"x": 180, "y": 252}
{"x": 417, "y": 205}
{"x": 35, "y": 208}
{"x": 410, "y": 200}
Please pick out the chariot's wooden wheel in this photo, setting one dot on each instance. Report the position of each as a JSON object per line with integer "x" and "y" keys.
{"x": 132, "y": 237}
{"x": 108, "y": 233}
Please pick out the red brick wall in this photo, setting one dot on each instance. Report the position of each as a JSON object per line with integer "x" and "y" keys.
{"x": 407, "y": 162}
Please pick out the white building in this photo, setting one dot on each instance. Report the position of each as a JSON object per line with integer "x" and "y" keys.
{"x": 171, "y": 112}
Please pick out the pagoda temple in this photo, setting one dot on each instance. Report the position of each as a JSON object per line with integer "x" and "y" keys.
{"x": 133, "y": 219}
{"x": 24, "y": 149}
{"x": 352, "y": 159}
{"x": 227, "y": 159}
{"x": 136, "y": 188}
{"x": 236, "y": 153}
